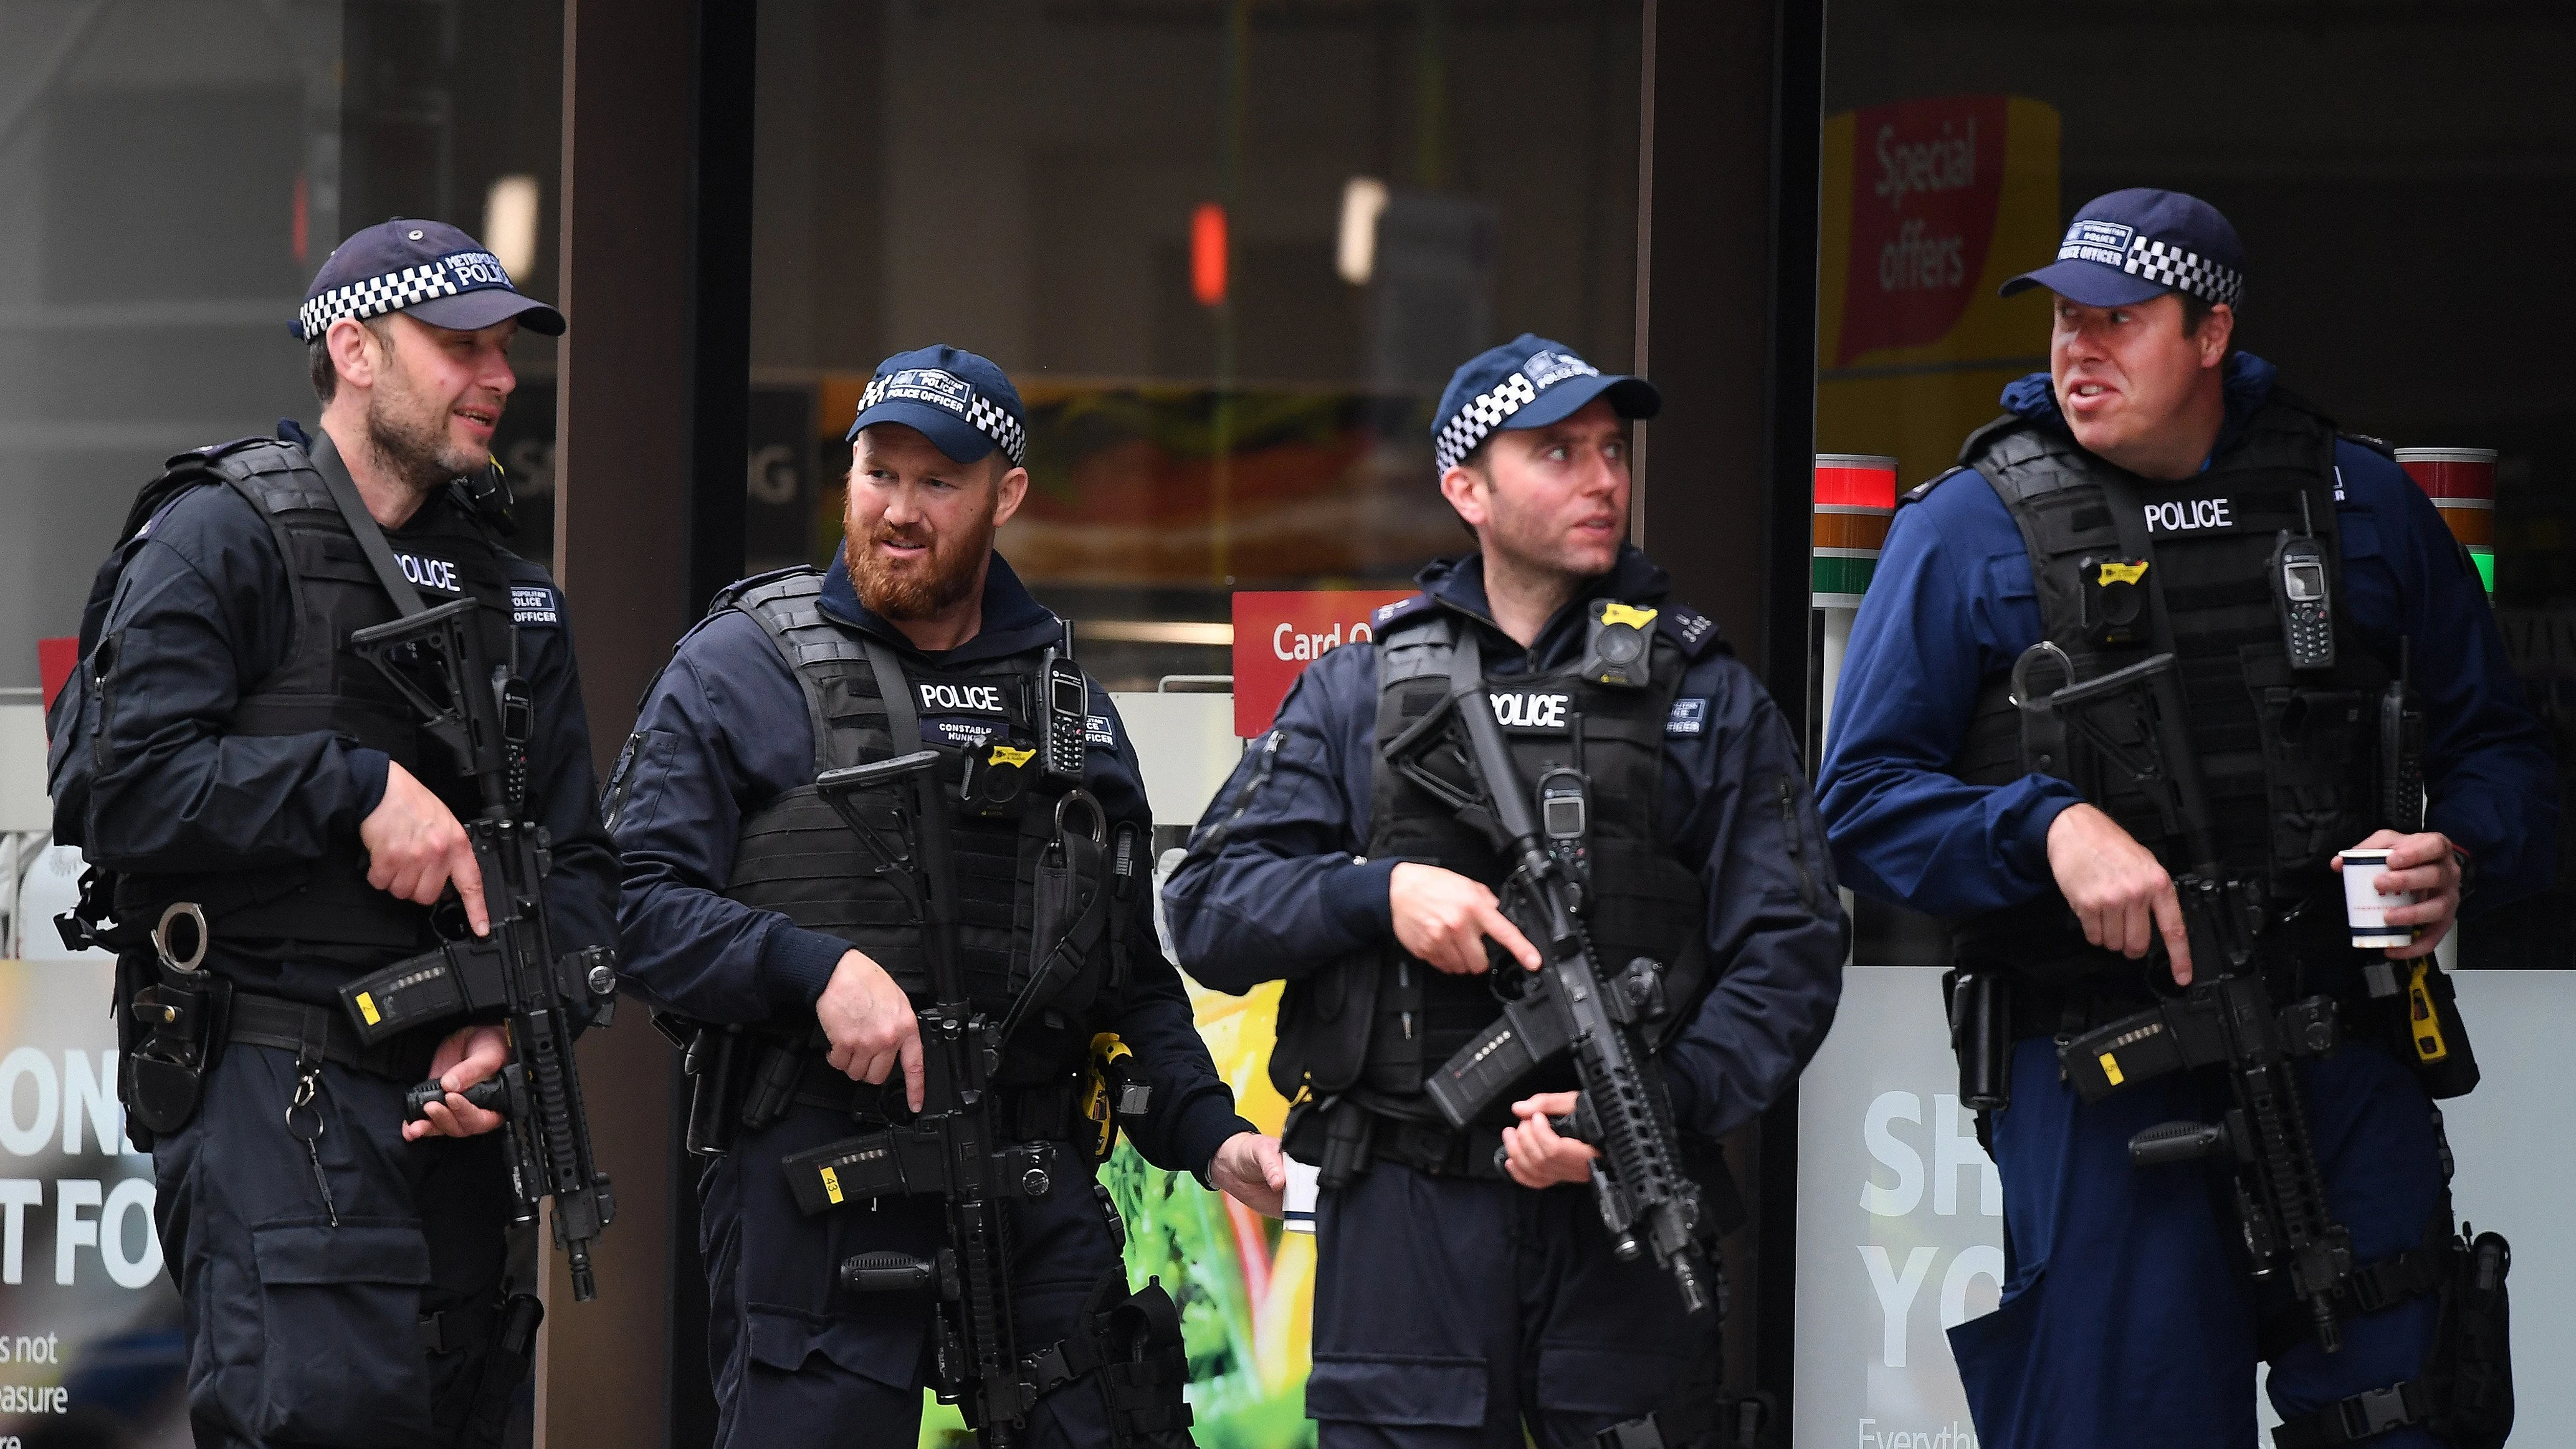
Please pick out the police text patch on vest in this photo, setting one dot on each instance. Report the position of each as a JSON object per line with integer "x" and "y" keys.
{"x": 2205, "y": 513}
{"x": 533, "y": 604}
{"x": 436, "y": 574}
{"x": 1095, "y": 731}
{"x": 975, "y": 697}
{"x": 1689, "y": 719}
{"x": 1538, "y": 710}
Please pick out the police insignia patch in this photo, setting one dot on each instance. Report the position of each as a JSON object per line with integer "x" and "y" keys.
{"x": 1688, "y": 719}
{"x": 533, "y": 604}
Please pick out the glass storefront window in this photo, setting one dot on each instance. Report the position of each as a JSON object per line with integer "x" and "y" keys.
{"x": 175, "y": 171}
{"x": 1228, "y": 252}
{"x": 2384, "y": 174}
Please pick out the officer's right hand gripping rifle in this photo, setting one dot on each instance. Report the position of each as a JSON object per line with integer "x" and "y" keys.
{"x": 1645, "y": 1195}
{"x": 482, "y": 712}
{"x": 2134, "y": 719}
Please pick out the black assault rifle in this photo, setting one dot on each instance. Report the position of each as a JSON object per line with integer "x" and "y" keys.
{"x": 1644, "y": 1194}
{"x": 951, "y": 1148}
{"x": 484, "y": 713}
{"x": 2134, "y": 718}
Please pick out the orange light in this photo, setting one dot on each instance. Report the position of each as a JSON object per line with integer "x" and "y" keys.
{"x": 1207, "y": 254}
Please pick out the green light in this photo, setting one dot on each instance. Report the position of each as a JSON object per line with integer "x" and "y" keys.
{"x": 2484, "y": 558}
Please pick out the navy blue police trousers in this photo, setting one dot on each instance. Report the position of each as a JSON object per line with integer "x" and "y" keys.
{"x": 306, "y": 1332}
{"x": 1448, "y": 1311}
{"x": 2132, "y": 1317}
{"x": 799, "y": 1359}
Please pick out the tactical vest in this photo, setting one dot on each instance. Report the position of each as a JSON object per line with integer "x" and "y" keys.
{"x": 1031, "y": 877}
{"x": 1386, "y": 1023}
{"x": 2288, "y": 758}
{"x": 326, "y": 906}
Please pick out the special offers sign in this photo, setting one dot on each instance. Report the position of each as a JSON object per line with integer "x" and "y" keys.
{"x": 1276, "y": 635}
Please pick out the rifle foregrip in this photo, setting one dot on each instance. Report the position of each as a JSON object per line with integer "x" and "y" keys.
{"x": 2173, "y": 1142}
{"x": 490, "y": 1095}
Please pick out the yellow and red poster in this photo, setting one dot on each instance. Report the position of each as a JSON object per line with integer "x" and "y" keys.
{"x": 1928, "y": 205}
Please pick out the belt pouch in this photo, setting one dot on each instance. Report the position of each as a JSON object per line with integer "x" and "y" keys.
{"x": 773, "y": 1084}
{"x": 184, "y": 1018}
{"x": 709, "y": 1065}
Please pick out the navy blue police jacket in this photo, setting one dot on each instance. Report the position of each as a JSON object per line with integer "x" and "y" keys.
{"x": 203, "y": 613}
{"x": 724, "y": 731}
{"x": 1275, "y": 883}
{"x": 1952, "y": 604}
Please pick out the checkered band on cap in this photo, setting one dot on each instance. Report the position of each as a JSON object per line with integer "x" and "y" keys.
{"x": 2171, "y": 265}
{"x": 375, "y": 296}
{"x": 1478, "y": 418}
{"x": 981, "y": 413}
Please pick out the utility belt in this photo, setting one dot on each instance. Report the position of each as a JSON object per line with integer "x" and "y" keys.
{"x": 2408, "y": 1008}
{"x": 1342, "y": 1138}
{"x": 746, "y": 1078}
{"x": 175, "y": 1018}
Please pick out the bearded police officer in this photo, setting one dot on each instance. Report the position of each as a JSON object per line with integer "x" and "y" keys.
{"x": 277, "y": 818}
{"x": 795, "y": 970}
{"x": 1462, "y": 1293}
{"x": 2282, "y": 655}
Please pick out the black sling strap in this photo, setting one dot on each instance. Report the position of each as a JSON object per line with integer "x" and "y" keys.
{"x": 371, "y": 538}
{"x": 894, "y": 690}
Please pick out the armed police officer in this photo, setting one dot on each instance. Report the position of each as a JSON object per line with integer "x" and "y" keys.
{"x": 1357, "y": 854}
{"x": 270, "y": 818}
{"x": 792, "y": 925}
{"x": 2126, "y": 683}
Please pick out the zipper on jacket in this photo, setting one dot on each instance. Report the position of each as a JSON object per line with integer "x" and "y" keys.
{"x": 1796, "y": 837}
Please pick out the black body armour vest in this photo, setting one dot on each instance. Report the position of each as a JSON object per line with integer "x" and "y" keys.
{"x": 2288, "y": 757}
{"x": 1397, "y": 1019}
{"x": 326, "y": 907}
{"x": 797, "y": 857}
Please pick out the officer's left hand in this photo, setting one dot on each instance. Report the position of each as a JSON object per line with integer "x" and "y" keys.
{"x": 1535, "y": 1154}
{"x": 2424, "y": 864}
{"x": 1249, "y": 1169}
{"x": 468, "y": 1055}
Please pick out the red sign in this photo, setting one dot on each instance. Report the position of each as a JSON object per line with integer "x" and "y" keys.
{"x": 1927, "y": 178}
{"x": 55, "y": 661}
{"x": 1276, "y": 635}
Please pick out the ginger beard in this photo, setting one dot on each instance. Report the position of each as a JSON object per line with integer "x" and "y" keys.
{"x": 926, "y": 584}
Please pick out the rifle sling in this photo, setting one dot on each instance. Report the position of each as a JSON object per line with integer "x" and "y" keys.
{"x": 2129, "y": 521}
{"x": 362, "y": 524}
{"x": 894, "y": 690}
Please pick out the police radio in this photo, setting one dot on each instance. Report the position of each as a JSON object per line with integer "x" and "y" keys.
{"x": 1565, "y": 818}
{"x": 2299, "y": 594}
{"x": 1063, "y": 711}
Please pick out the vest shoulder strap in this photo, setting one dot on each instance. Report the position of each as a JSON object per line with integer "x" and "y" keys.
{"x": 1985, "y": 437}
{"x": 789, "y": 609}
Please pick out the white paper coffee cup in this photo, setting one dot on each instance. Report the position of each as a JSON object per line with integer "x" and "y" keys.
{"x": 2366, "y": 907}
{"x": 1298, "y": 1211}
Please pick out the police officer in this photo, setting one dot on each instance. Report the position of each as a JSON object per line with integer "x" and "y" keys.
{"x": 1458, "y": 1297}
{"x": 270, "y": 810}
{"x": 752, "y": 915}
{"x": 2155, "y": 491}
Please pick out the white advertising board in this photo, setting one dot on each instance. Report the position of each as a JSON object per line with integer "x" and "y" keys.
{"x": 1900, "y": 1225}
